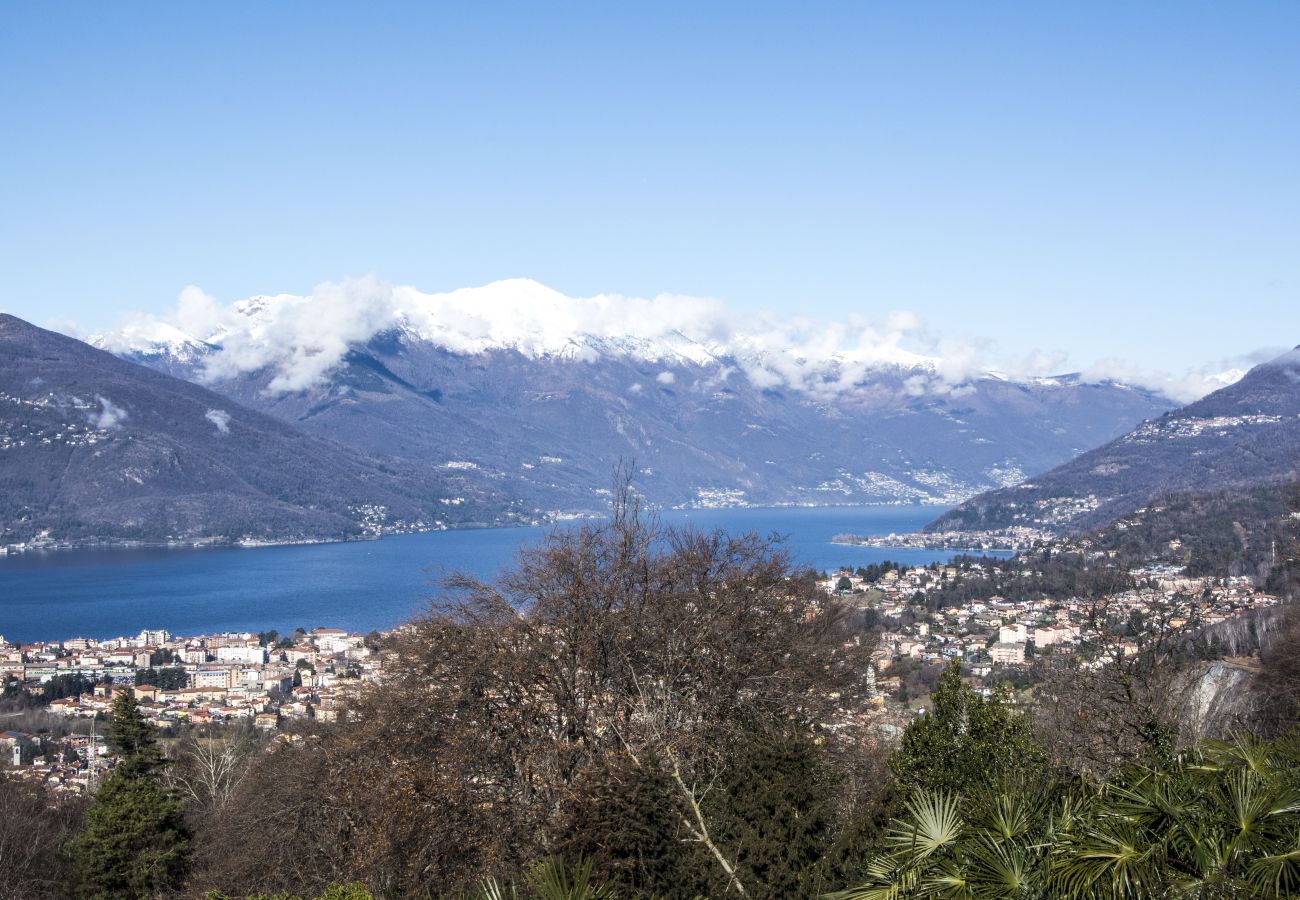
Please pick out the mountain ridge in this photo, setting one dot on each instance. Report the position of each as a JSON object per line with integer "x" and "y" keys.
{"x": 98, "y": 449}
{"x": 546, "y": 420}
{"x": 1244, "y": 434}
{"x": 528, "y": 317}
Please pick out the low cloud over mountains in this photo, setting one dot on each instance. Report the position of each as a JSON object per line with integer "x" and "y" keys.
{"x": 302, "y": 339}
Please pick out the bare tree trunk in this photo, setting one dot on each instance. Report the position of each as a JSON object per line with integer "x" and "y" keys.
{"x": 700, "y": 831}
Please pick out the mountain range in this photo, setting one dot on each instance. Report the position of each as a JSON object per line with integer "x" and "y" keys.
{"x": 97, "y": 449}
{"x": 537, "y": 396}
{"x": 1242, "y": 436}
{"x": 368, "y": 409}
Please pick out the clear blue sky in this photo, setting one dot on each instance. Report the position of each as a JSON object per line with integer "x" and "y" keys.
{"x": 1112, "y": 179}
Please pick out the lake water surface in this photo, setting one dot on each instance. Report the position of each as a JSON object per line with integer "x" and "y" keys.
{"x": 359, "y": 585}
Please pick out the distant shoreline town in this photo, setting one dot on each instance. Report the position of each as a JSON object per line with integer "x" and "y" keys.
{"x": 53, "y": 545}
{"x": 1008, "y": 539}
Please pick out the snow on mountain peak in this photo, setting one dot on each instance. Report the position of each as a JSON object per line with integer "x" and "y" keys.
{"x": 302, "y": 338}
{"x": 149, "y": 336}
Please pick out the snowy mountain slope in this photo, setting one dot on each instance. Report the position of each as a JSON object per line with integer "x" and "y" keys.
{"x": 543, "y": 393}
{"x": 93, "y": 449}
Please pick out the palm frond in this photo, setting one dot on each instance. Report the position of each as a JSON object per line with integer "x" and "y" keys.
{"x": 1276, "y": 875}
{"x": 1110, "y": 858}
{"x": 933, "y": 823}
{"x": 492, "y": 889}
{"x": 553, "y": 879}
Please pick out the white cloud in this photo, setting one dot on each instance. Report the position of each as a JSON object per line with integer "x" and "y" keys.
{"x": 916, "y": 385}
{"x": 219, "y": 418}
{"x": 960, "y": 361}
{"x": 298, "y": 340}
{"x": 110, "y": 415}
{"x": 1191, "y": 385}
{"x": 200, "y": 313}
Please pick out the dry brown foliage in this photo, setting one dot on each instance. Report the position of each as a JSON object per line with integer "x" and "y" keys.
{"x": 617, "y": 638}
{"x": 34, "y": 826}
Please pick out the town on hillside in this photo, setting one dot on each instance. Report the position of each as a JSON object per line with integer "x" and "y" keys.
{"x": 262, "y": 681}
{"x": 920, "y": 617}
{"x": 937, "y": 613}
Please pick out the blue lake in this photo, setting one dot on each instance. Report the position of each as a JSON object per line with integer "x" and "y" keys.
{"x": 357, "y": 586}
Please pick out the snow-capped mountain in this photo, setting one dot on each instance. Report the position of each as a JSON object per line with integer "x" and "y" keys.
{"x": 540, "y": 394}
{"x": 150, "y": 337}
{"x": 301, "y": 337}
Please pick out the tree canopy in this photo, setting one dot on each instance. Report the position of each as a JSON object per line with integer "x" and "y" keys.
{"x": 135, "y": 841}
{"x": 966, "y": 740}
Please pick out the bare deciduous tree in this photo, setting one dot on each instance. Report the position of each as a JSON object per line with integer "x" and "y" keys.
{"x": 616, "y": 638}
{"x": 1119, "y": 699}
{"x": 33, "y": 831}
{"x": 207, "y": 767}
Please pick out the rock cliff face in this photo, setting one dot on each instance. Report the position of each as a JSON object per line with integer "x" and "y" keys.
{"x": 1215, "y": 697}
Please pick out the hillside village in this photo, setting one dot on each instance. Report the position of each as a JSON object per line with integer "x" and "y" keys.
{"x": 262, "y": 680}
{"x": 994, "y": 632}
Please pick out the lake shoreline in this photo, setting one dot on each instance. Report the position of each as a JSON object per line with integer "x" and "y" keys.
{"x": 58, "y": 547}
{"x": 355, "y": 585}
{"x": 1007, "y": 540}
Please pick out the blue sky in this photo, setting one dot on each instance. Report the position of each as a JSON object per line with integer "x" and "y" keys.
{"x": 1108, "y": 179}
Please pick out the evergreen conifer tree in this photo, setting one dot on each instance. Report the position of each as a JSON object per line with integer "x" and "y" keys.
{"x": 134, "y": 841}
{"x": 772, "y": 809}
{"x": 628, "y": 826}
{"x": 966, "y": 741}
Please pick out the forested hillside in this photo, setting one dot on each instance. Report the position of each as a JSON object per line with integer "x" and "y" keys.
{"x": 94, "y": 449}
{"x": 1244, "y": 435}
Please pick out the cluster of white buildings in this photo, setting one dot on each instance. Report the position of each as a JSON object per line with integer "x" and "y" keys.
{"x": 229, "y": 677}
{"x": 17, "y": 434}
{"x": 1000, "y": 632}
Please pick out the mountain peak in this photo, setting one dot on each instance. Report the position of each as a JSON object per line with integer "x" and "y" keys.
{"x": 303, "y": 339}
{"x": 150, "y": 337}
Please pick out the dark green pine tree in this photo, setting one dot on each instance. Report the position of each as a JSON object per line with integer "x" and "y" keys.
{"x": 134, "y": 841}
{"x": 966, "y": 741}
{"x": 628, "y": 824}
{"x": 772, "y": 812}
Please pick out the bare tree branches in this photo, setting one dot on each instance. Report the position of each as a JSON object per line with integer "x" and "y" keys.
{"x": 33, "y": 831}
{"x": 206, "y": 769}
{"x": 609, "y": 638}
